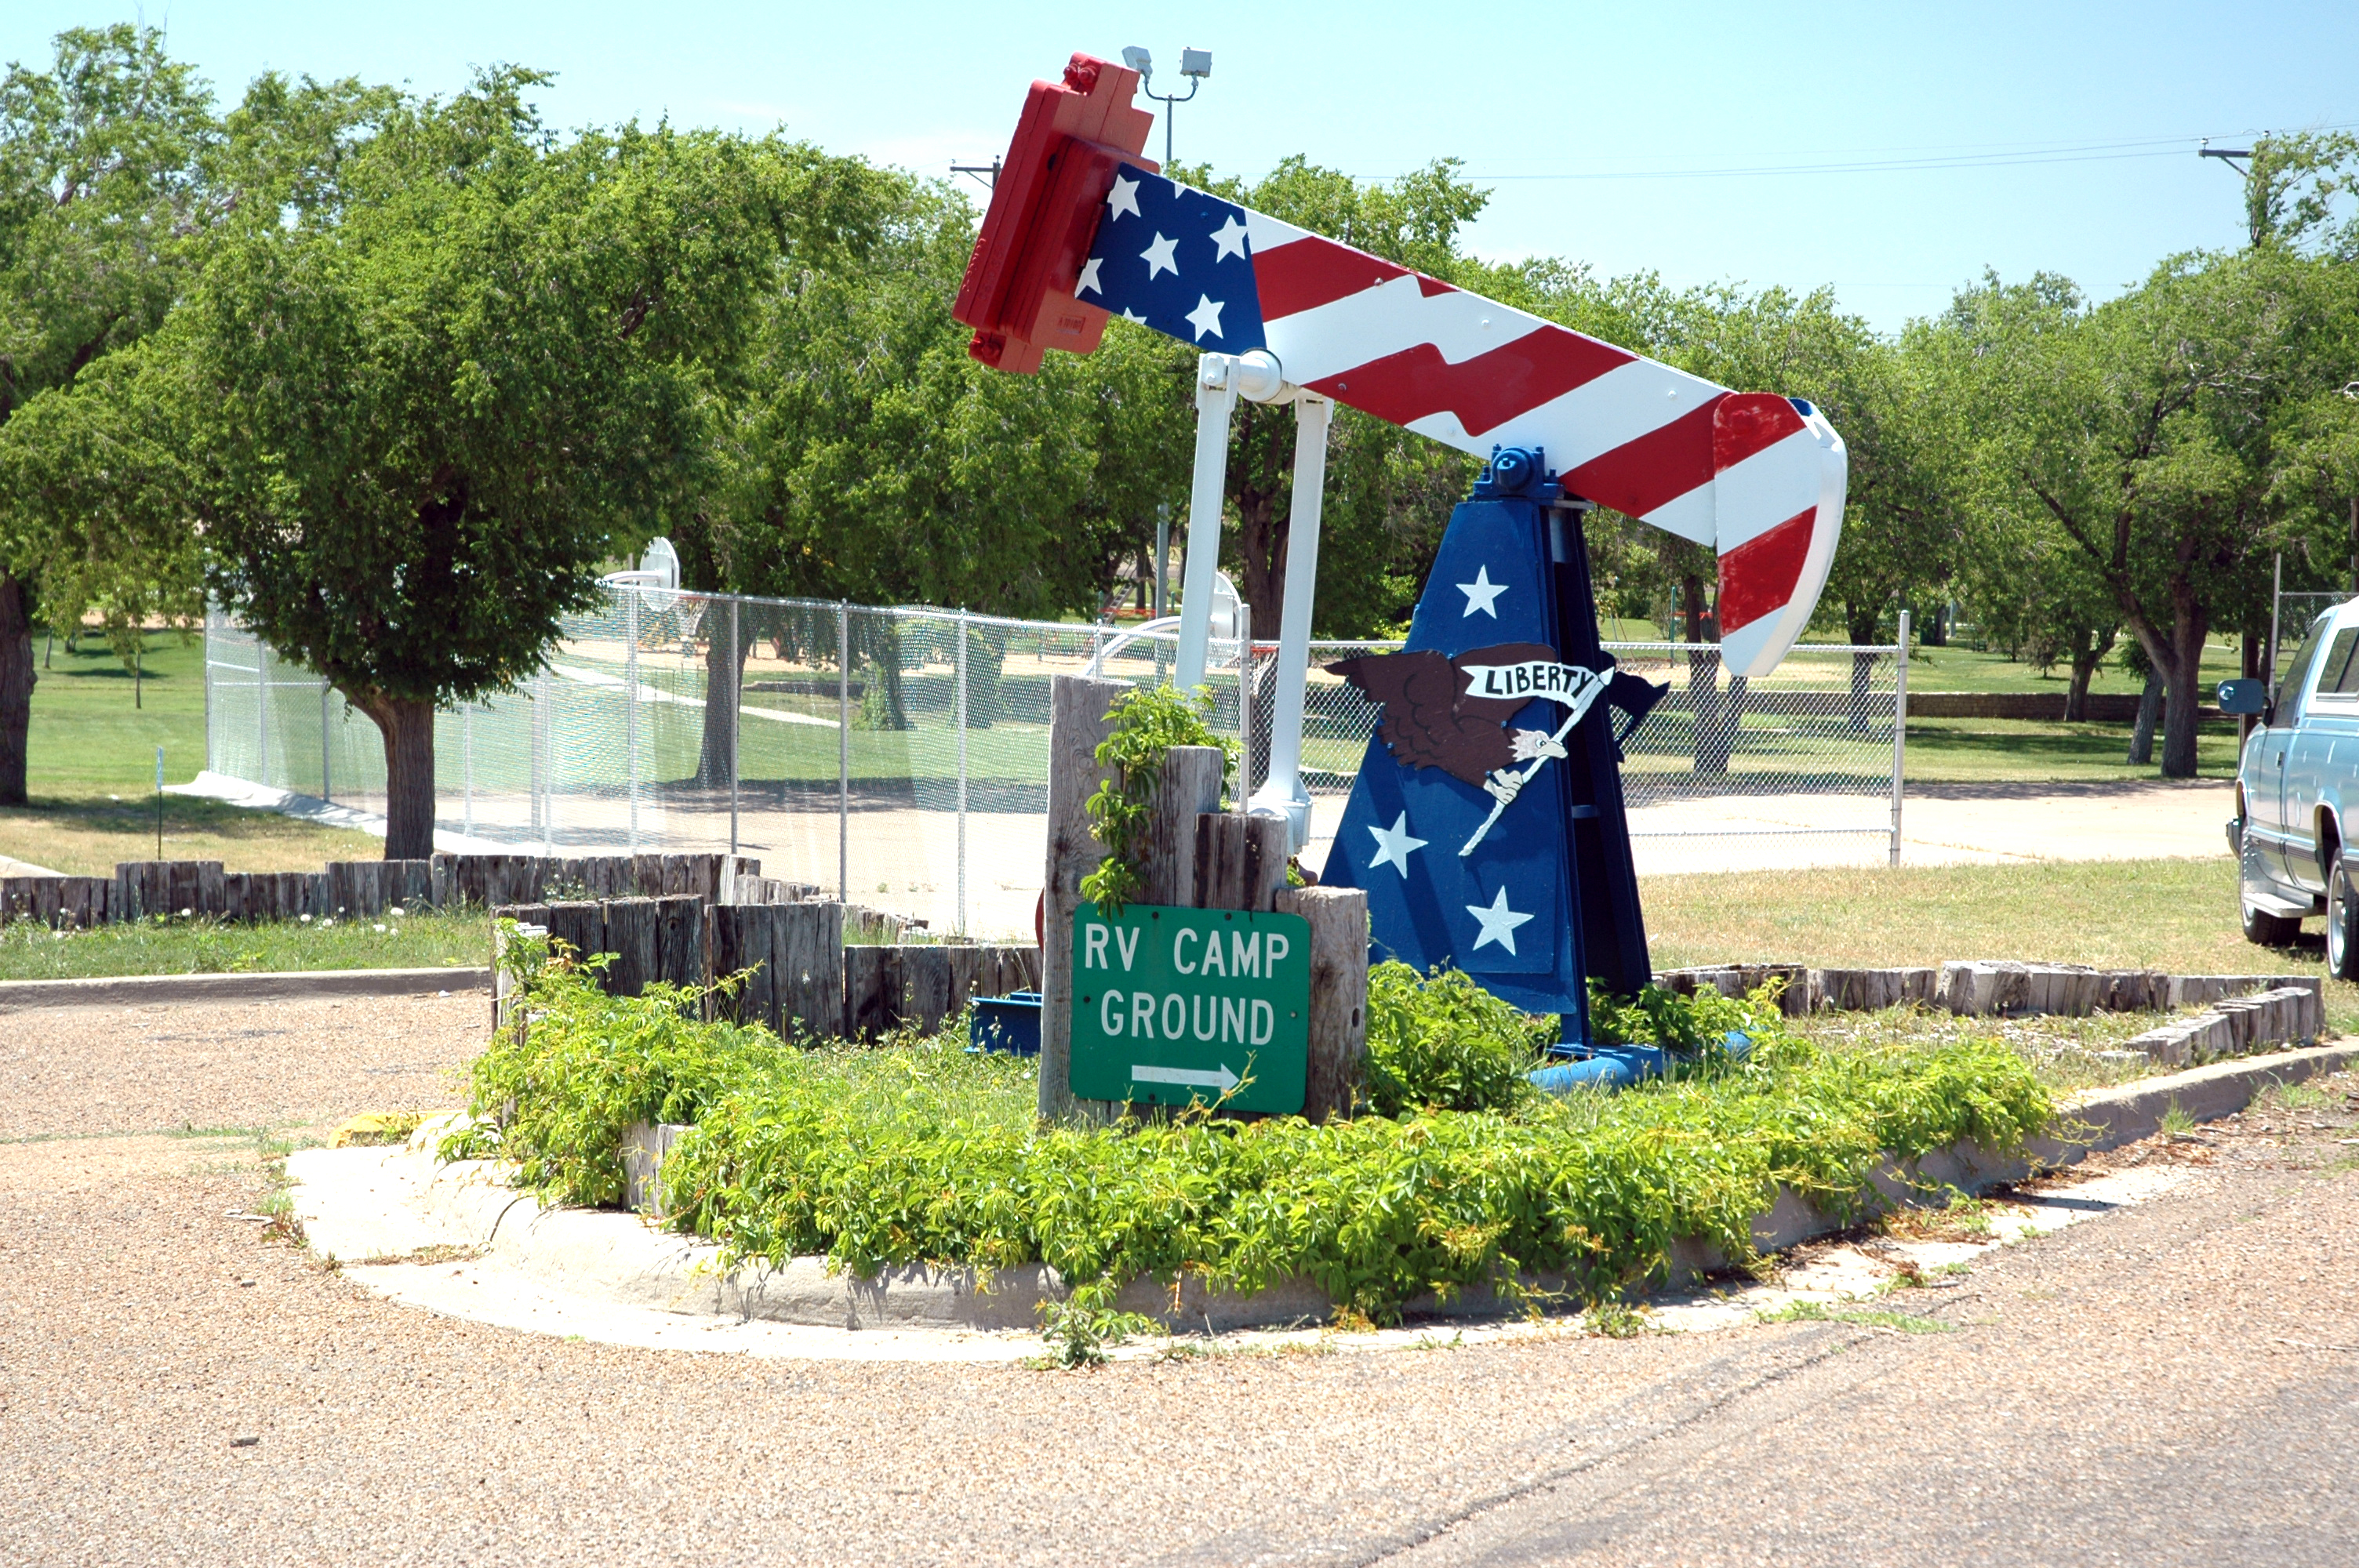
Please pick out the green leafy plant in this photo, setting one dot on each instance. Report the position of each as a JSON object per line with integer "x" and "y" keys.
{"x": 1866, "y": 1317}
{"x": 574, "y": 1068}
{"x": 1442, "y": 1041}
{"x": 1147, "y": 722}
{"x": 922, "y": 1154}
{"x": 1615, "y": 1319}
{"x": 1079, "y": 1332}
{"x": 1695, "y": 1026}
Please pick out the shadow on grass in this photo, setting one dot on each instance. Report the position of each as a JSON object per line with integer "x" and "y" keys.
{"x": 2003, "y": 747}
{"x": 134, "y": 815}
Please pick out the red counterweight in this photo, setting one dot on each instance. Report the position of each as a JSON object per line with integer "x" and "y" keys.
{"x": 1018, "y": 290}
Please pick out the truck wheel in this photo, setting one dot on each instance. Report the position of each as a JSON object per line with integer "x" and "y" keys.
{"x": 2341, "y": 922}
{"x": 2265, "y": 929}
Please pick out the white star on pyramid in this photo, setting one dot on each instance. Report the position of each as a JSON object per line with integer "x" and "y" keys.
{"x": 1158, "y": 257}
{"x": 1394, "y": 844}
{"x": 1499, "y": 923}
{"x": 1479, "y": 594}
{"x": 1122, "y": 199}
{"x": 1206, "y": 317}
{"x": 1229, "y": 240}
{"x": 1089, "y": 284}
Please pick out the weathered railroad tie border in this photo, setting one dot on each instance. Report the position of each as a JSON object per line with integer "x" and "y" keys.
{"x": 141, "y": 889}
{"x": 614, "y": 1256}
{"x": 2241, "y": 1011}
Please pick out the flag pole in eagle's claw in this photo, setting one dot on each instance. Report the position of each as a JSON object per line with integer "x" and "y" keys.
{"x": 1507, "y": 793}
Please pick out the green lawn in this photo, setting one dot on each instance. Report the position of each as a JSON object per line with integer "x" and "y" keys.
{"x": 2177, "y": 916}
{"x": 1963, "y": 669}
{"x": 91, "y": 771}
{"x": 425, "y": 940}
{"x": 1995, "y": 750}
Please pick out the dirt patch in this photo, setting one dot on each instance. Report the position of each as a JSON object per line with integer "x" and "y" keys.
{"x": 78, "y": 1164}
{"x": 204, "y": 1065}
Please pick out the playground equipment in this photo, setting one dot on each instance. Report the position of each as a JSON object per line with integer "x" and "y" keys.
{"x": 1503, "y": 673}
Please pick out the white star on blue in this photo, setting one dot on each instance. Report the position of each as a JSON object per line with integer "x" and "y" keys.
{"x": 1178, "y": 260}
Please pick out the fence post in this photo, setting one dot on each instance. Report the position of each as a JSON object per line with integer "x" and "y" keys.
{"x": 1899, "y": 729}
{"x": 209, "y": 686}
{"x": 261, "y": 712}
{"x": 544, "y": 745}
{"x": 631, "y": 702}
{"x": 960, "y": 664}
{"x": 467, "y": 765}
{"x": 737, "y": 707}
{"x": 844, "y": 750}
{"x": 1244, "y": 704}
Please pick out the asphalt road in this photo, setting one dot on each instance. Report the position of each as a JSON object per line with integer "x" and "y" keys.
{"x": 2177, "y": 1382}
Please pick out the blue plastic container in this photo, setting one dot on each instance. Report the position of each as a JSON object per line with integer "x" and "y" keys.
{"x": 1010, "y": 1023}
{"x": 1615, "y": 1066}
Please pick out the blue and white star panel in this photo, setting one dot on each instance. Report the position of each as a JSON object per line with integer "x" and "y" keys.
{"x": 1176, "y": 260}
{"x": 1501, "y": 912}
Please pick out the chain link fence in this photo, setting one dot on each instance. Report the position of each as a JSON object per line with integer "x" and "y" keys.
{"x": 902, "y": 755}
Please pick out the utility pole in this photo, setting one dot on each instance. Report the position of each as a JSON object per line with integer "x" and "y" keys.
{"x": 984, "y": 174}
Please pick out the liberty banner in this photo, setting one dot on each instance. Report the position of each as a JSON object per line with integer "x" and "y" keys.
{"x": 1179, "y": 1005}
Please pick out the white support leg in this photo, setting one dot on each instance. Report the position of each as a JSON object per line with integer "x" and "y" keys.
{"x": 1283, "y": 795}
{"x": 1216, "y": 400}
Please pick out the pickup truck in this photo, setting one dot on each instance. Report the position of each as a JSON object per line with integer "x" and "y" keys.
{"x": 2297, "y": 793}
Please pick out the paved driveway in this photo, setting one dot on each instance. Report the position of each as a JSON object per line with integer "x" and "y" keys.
{"x": 2175, "y": 1383}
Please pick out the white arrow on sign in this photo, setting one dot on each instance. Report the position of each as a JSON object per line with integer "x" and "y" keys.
{"x": 1223, "y": 1080}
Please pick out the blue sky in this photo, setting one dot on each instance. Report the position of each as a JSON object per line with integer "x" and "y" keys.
{"x": 1608, "y": 133}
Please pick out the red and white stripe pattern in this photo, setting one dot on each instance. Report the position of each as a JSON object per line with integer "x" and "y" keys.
{"x": 1754, "y": 476}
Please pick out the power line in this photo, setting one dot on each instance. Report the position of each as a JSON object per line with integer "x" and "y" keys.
{"x": 2001, "y": 155}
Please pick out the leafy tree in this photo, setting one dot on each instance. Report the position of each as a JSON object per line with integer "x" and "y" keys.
{"x": 869, "y": 459}
{"x": 2291, "y": 183}
{"x": 2141, "y": 432}
{"x": 104, "y": 179}
{"x": 425, "y": 408}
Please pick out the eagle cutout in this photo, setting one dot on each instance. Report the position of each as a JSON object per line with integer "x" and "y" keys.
{"x": 1428, "y": 722}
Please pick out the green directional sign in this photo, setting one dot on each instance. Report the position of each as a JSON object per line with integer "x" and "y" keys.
{"x": 1173, "y": 1005}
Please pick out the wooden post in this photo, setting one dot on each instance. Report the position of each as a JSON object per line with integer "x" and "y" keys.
{"x": 631, "y": 937}
{"x": 1189, "y": 789}
{"x": 808, "y": 952}
{"x": 679, "y": 951}
{"x": 1339, "y": 995}
{"x": 581, "y": 926}
{"x": 1077, "y": 725}
{"x": 742, "y": 940}
{"x": 870, "y": 989}
{"x": 1240, "y": 860}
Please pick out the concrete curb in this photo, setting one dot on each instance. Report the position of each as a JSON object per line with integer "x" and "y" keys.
{"x": 149, "y": 990}
{"x": 358, "y": 1203}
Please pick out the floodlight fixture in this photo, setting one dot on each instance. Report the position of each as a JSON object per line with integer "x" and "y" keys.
{"x": 1194, "y": 64}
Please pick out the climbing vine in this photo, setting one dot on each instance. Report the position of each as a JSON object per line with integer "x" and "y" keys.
{"x": 1147, "y": 722}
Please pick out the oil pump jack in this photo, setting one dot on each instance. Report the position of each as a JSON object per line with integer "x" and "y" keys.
{"x": 1486, "y": 823}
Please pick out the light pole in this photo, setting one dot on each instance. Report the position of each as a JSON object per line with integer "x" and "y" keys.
{"x": 1194, "y": 64}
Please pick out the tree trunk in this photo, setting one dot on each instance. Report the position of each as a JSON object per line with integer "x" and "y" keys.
{"x": 2252, "y": 665}
{"x": 2182, "y": 677}
{"x": 1704, "y": 682}
{"x": 2088, "y": 650}
{"x": 1937, "y": 628}
{"x": 727, "y": 642}
{"x": 17, "y": 678}
{"x": 1859, "y": 621}
{"x": 408, "y": 727}
{"x": 1262, "y": 535}
{"x": 2149, "y": 712}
